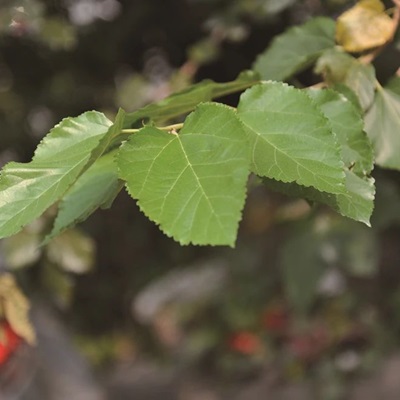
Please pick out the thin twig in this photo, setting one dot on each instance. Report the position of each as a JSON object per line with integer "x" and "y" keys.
{"x": 168, "y": 128}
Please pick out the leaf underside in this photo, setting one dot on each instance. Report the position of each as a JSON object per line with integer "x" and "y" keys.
{"x": 96, "y": 187}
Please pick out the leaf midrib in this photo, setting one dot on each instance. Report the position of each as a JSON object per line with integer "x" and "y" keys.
{"x": 199, "y": 183}
{"x": 263, "y": 137}
{"x": 42, "y": 194}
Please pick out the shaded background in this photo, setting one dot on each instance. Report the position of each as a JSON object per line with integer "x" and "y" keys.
{"x": 306, "y": 305}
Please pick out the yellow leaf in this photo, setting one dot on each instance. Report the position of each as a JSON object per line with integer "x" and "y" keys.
{"x": 364, "y": 26}
{"x": 16, "y": 308}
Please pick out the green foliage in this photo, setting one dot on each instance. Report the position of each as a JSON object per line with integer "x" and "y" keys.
{"x": 382, "y": 124}
{"x": 192, "y": 184}
{"x": 290, "y": 139}
{"x": 356, "y": 151}
{"x": 190, "y": 178}
{"x": 338, "y": 67}
{"x": 97, "y": 187}
{"x": 347, "y": 125}
{"x": 300, "y": 282}
{"x": 27, "y": 190}
{"x": 296, "y": 49}
{"x": 185, "y": 101}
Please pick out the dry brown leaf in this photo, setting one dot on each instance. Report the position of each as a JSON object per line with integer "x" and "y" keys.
{"x": 364, "y": 26}
{"x": 16, "y": 308}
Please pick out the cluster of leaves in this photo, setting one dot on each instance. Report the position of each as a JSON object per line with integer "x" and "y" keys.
{"x": 307, "y": 142}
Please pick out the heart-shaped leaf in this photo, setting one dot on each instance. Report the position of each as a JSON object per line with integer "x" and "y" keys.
{"x": 290, "y": 138}
{"x": 192, "y": 184}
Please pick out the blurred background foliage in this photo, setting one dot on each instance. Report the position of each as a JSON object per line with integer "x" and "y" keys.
{"x": 305, "y": 291}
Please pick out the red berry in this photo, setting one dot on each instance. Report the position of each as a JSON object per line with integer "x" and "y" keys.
{"x": 245, "y": 342}
{"x": 10, "y": 342}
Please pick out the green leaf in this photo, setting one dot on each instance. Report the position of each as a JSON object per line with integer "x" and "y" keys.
{"x": 362, "y": 80}
{"x": 383, "y": 125}
{"x": 347, "y": 125}
{"x": 357, "y": 200}
{"x": 290, "y": 138}
{"x": 27, "y": 190}
{"x": 356, "y": 152}
{"x": 107, "y": 141}
{"x": 185, "y": 101}
{"x": 338, "y": 67}
{"x": 192, "y": 184}
{"x": 394, "y": 85}
{"x": 334, "y": 65}
{"x": 357, "y": 203}
{"x": 97, "y": 187}
{"x": 349, "y": 94}
{"x": 296, "y": 49}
